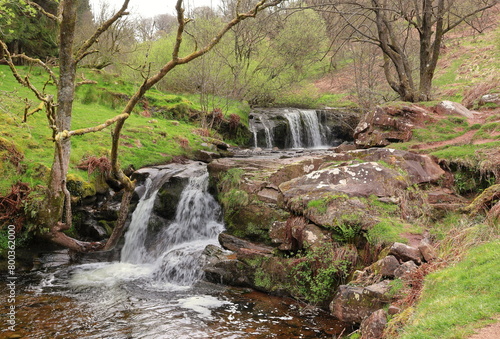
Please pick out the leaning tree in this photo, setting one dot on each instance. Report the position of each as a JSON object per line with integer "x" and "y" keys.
{"x": 55, "y": 211}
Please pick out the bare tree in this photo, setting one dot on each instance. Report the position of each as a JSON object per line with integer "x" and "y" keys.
{"x": 394, "y": 26}
{"x": 55, "y": 214}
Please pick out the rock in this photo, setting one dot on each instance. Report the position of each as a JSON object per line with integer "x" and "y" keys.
{"x": 344, "y": 147}
{"x": 373, "y": 326}
{"x": 493, "y": 98}
{"x": 353, "y": 304}
{"x": 221, "y": 267}
{"x": 452, "y": 108}
{"x": 386, "y": 266}
{"x": 392, "y": 310}
{"x": 296, "y": 234}
{"x": 379, "y": 291}
{"x": 314, "y": 237}
{"x": 404, "y": 253}
{"x": 386, "y": 125}
{"x": 238, "y": 245}
{"x": 268, "y": 195}
{"x": 206, "y": 156}
{"x": 427, "y": 251}
{"x": 405, "y": 269}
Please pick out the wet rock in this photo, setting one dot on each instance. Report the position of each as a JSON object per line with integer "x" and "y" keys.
{"x": 373, "y": 326}
{"x": 238, "y": 245}
{"x": 404, "y": 253}
{"x": 405, "y": 269}
{"x": 221, "y": 267}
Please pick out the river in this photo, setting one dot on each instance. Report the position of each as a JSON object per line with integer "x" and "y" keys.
{"x": 156, "y": 289}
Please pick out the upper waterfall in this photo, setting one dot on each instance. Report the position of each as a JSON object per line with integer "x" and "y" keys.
{"x": 294, "y": 128}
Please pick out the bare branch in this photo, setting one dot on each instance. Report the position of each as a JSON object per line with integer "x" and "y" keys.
{"x": 82, "y": 51}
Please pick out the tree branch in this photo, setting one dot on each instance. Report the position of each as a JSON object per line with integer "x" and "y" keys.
{"x": 41, "y": 10}
{"x": 82, "y": 51}
{"x": 25, "y": 82}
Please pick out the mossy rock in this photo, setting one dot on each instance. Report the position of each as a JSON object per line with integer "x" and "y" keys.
{"x": 78, "y": 187}
{"x": 253, "y": 221}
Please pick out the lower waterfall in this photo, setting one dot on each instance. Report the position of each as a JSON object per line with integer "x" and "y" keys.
{"x": 175, "y": 251}
{"x": 155, "y": 290}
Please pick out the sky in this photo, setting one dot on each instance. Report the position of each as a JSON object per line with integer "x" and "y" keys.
{"x": 149, "y": 8}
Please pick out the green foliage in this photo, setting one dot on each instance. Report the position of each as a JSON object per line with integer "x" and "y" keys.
{"x": 249, "y": 64}
{"x": 230, "y": 179}
{"x": 314, "y": 275}
{"x": 444, "y": 129}
{"x": 33, "y": 33}
{"x": 144, "y": 141}
{"x": 346, "y": 233}
{"x": 459, "y": 298}
{"x": 320, "y": 205}
{"x": 348, "y": 227}
{"x": 385, "y": 232}
{"x": 234, "y": 198}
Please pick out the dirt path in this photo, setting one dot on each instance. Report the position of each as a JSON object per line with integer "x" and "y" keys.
{"x": 489, "y": 332}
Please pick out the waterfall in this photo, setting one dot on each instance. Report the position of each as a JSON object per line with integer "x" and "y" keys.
{"x": 174, "y": 254}
{"x": 295, "y": 127}
{"x": 312, "y": 128}
{"x": 196, "y": 225}
{"x": 288, "y": 128}
{"x": 304, "y": 129}
{"x": 261, "y": 122}
{"x": 268, "y": 132}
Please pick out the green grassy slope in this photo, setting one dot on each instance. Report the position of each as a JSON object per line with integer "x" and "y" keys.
{"x": 145, "y": 140}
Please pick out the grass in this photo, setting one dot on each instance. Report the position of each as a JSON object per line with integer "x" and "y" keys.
{"x": 458, "y": 299}
{"x": 145, "y": 140}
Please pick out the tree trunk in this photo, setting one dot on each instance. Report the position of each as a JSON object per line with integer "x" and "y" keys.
{"x": 57, "y": 194}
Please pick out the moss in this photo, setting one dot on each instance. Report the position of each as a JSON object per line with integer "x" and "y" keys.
{"x": 79, "y": 187}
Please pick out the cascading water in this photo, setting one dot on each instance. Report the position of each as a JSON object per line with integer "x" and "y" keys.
{"x": 174, "y": 256}
{"x": 314, "y": 138}
{"x": 295, "y": 127}
{"x": 288, "y": 128}
{"x": 265, "y": 124}
{"x": 151, "y": 292}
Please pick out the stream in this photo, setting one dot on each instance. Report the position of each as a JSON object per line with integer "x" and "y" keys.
{"x": 156, "y": 289}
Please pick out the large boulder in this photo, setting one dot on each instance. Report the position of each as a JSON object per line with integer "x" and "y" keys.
{"x": 386, "y": 125}
{"x": 353, "y": 304}
{"x": 339, "y": 188}
{"x": 404, "y": 253}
